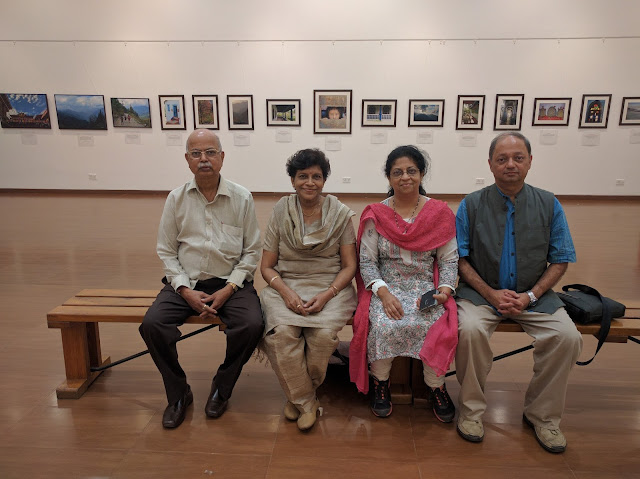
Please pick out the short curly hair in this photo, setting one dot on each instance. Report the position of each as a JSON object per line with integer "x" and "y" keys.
{"x": 303, "y": 159}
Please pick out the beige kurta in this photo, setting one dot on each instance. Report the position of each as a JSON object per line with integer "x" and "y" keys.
{"x": 308, "y": 262}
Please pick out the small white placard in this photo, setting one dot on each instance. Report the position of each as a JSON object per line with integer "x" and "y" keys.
{"x": 634, "y": 137}
{"x": 378, "y": 137}
{"x": 468, "y": 139}
{"x": 85, "y": 140}
{"x": 29, "y": 139}
{"x": 284, "y": 136}
{"x": 132, "y": 139}
{"x": 174, "y": 139}
{"x": 241, "y": 139}
{"x": 333, "y": 144}
{"x": 424, "y": 137}
{"x": 548, "y": 137}
{"x": 591, "y": 139}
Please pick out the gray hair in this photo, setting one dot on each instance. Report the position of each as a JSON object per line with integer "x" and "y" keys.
{"x": 506, "y": 134}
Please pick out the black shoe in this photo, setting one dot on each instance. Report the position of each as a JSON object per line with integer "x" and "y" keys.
{"x": 174, "y": 413}
{"x": 443, "y": 407}
{"x": 216, "y": 405}
{"x": 380, "y": 397}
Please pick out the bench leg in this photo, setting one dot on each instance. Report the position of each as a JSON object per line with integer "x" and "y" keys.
{"x": 401, "y": 381}
{"x": 81, "y": 349}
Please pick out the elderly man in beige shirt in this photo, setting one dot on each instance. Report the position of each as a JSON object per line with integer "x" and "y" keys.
{"x": 209, "y": 242}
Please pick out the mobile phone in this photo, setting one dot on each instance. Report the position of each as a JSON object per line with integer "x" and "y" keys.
{"x": 427, "y": 300}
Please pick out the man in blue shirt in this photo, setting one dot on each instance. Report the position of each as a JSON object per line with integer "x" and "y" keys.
{"x": 514, "y": 245}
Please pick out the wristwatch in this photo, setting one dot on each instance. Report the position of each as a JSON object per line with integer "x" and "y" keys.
{"x": 532, "y": 298}
{"x": 235, "y": 286}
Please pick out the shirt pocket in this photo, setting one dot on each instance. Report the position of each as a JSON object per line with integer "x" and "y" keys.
{"x": 231, "y": 242}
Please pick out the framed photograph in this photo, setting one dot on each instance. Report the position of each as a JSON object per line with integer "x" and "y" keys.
{"x": 131, "y": 112}
{"x": 426, "y": 112}
{"x": 205, "y": 112}
{"x": 508, "y": 113}
{"x": 470, "y": 113}
{"x": 630, "y": 111}
{"x": 81, "y": 112}
{"x": 332, "y": 111}
{"x": 240, "y": 112}
{"x": 379, "y": 112}
{"x": 551, "y": 111}
{"x": 172, "y": 112}
{"x": 283, "y": 112}
{"x": 594, "y": 112}
{"x": 24, "y": 110}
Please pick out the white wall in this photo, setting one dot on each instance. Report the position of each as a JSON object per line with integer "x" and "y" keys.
{"x": 148, "y": 48}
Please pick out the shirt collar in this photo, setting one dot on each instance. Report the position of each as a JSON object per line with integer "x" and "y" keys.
{"x": 223, "y": 186}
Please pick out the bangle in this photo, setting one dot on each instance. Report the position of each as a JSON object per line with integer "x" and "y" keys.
{"x": 335, "y": 291}
{"x": 274, "y": 278}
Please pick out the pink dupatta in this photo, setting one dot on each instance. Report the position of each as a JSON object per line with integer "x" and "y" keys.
{"x": 433, "y": 227}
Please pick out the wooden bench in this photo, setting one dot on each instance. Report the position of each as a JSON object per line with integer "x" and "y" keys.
{"x": 78, "y": 319}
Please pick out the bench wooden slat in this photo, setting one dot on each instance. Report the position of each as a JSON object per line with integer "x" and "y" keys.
{"x": 108, "y": 301}
{"x": 120, "y": 293}
{"x": 108, "y": 314}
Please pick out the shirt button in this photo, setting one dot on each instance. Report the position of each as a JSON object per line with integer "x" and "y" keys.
{"x": 512, "y": 275}
{"x": 512, "y": 254}
{"x": 513, "y": 233}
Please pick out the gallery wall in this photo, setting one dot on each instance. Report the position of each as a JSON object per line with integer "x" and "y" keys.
{"x": 284, "y": 50}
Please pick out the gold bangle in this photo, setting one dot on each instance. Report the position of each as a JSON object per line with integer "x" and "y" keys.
{"x": 335, "y": 291}
{"x": 274, "y": 278}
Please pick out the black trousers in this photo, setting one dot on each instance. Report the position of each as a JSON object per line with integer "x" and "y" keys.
{"x": 159, "y": 329}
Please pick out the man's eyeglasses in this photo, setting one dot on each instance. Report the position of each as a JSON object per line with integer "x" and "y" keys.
{"x": 197, "y": 154}
{"x": 398, "y": 173}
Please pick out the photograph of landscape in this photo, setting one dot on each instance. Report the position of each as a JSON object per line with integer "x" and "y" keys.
{"x": 81, "y": 112}
{"x": 131, "y": 112}
{"x": 24, "y": 111}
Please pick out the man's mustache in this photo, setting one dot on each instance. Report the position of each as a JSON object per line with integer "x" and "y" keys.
{"x": 205, "y": 164}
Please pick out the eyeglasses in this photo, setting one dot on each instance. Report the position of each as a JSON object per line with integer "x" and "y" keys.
{"x": 197, "y": 154}
{"x": 398, "y": 173}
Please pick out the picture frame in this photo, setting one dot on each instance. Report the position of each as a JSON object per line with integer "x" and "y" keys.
{"x": 379, "y": 113}
{"x": 426, "y": 113}
{"x": 283, "y": 113}
{"x": 24, "y": 110}
{"x": 551, "y": 111}
{"x": 630, "y": 111}
{"x": 332, "y": 111}
{"x": 205, "y": 112}
{"x": 594, "y": 112}
{"x": 470, "y": 112}
{"x": 508, "y": 112}
{"x": 131, "y": 112}
{"x": 240, "y": 112}
{"x": 172, "y": 115}
{"x": 80, "y": 112}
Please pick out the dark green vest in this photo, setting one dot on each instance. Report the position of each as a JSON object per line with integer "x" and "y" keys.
{"x": 487, "y": 212}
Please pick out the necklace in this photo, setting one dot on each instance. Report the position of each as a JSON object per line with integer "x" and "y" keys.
{"x": 395, "y": 215}
{"x": 315, "y": 210}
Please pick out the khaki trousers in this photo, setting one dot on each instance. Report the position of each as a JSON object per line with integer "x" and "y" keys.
{"x": 557, "y": 345}
{"x": 299, "y": 357}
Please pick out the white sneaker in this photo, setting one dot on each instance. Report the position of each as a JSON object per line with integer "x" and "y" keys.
{"x": 551, "y": 440}
{"x": 470, "y": 430}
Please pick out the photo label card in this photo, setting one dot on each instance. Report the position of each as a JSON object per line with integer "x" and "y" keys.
{"x": 548, "y": 137}
{"x": 333, "y": 144}
{"x": 28, "y": 139}
{"x": 85, "y": 140}
{"x": 634, "y": 137}
{"x": 284, "y": 136}
{"x": 378, "y": 137}
{"x": 174, "y": 139}
{"x": 241, "y": 139}
{"x": 468, "y": 140}
{"x": 591, "y": 139}
{"x": 132, "y": 139}
{"x": 424, "y": 137}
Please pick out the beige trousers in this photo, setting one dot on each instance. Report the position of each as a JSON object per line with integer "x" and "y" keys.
{"x": 299, "y": 357}
{"x": 557, "y": 345}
